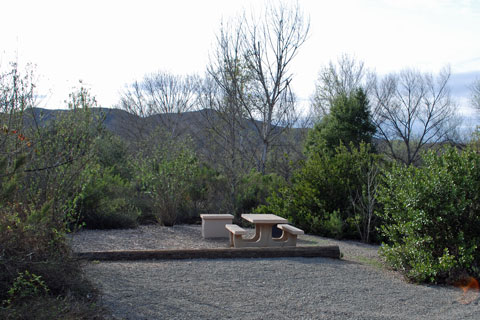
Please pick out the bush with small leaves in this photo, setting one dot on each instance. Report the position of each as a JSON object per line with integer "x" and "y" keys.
{"x": 26, "y": 286}
{"x": 104, "y": 201}
{"x": 326, "y": 194}
{"x": 165, "y": 175}
{"x": 432, "y": 216}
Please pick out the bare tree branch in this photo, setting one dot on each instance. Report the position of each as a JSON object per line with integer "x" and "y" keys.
{"x": 266, "y": 46}
{"x": 412, "y": 110}
{"x": 340, "y": 78}
{"x": 159, "y": 96}
{"x": 475, "y": 94}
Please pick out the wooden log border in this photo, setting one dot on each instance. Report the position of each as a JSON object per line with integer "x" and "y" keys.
{"x": 217, "y": 253}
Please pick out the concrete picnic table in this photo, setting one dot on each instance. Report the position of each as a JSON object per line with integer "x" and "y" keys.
{"x": 263, "y": 232}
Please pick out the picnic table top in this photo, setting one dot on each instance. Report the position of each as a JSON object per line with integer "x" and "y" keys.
{"x": 263, "y": 218}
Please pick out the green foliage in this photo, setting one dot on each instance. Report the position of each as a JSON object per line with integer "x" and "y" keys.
{"x": 112, "y": 152}
{"x": 106, "y": 197}
{"x": 432, "y": 216}
{"x": 60, "y": 150}
{"x": 206, "y": 194}
{"x": 33, "y": 240}
{"x": 26, "y": 286}
{"x": 165, "y": 176}
{"x": 334, "y": 193}
{"x": 320, "y": 198}
{"x": 104, "y": 201}
{"x": 349, "y": 121}
{"x": 39, "y": 170}
{"x": 254, "y": 189}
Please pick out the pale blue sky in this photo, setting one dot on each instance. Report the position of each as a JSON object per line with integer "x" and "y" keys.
{"x": 108, "y": 44}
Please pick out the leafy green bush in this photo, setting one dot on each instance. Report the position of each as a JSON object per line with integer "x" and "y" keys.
{"x": 432, "y": 216}
{"x": 104, "y": 200}
{"x": 254, "y": 189}
{"x": 39, "y": 169}
{"x": 324, "y": 196}
{"x": 26, "y": 286}
{"x": 165, "y": 175}
{"x": 33, "y": 240}
{"x": 112, "y": 151}
{"x": 316, "y": 193}
{"x": 205, "y": 194}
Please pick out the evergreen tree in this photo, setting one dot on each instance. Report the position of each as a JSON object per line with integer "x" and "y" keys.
{"x": 349, "y": 120}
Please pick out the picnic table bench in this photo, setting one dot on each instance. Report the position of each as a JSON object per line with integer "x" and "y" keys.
{"x": 263, "y": 232}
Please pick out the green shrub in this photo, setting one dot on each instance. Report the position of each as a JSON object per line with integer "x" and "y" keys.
{"x": 254, "y": 188}
{"x": 32, "y": 240}
{"x": 104, "y": 201}
{"x": 112, "y": 152}
{"x": 40, "y": 165}
{"x": 206, "y": 194}
{"x": 26, "y": 286}
{"x": 165, "y": 175}
{"x": 432, "y": 216}
{"x": 325, "y": 195}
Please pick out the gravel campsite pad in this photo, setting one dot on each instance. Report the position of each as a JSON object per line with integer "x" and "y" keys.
{"x": 355, "y": 287}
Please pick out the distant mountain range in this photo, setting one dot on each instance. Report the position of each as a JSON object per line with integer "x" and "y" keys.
{"x": 122, "y": 122}
{"x": 195, "y": 123}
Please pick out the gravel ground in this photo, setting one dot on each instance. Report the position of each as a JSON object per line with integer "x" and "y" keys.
{"x": 355, "y": 287}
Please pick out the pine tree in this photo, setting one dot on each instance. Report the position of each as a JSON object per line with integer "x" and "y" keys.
{"x": 349, "y": 121}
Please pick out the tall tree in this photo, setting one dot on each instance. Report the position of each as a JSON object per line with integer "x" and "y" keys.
{"x": 349, "y": 121}
{"x": 229, "y": 150}
{"x": 224, "y": 116}
{"x": 412, "y": 111}
{"x": 340, "y": 78}
{"x": 267, "y": 46}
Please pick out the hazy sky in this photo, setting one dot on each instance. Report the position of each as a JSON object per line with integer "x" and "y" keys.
{"x": 109, "y": 44}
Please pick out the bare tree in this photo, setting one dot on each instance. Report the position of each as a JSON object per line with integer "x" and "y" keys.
{"x": 266, "y": 48}
{"x": 364, "y": 201}
{"x": 134, "y": 102}
{"x": 161, "y": 96}
{"x": 412, "y": 111}
{"x": 224, "y": 115}
{"x": 224, "y": 135}
{"x": 17, "y": 96}
{"x": 475, "y": 89}
{"x": 340, "y": 78}
{"x": 222, "y": 91}
{"x": 169, "y": 94}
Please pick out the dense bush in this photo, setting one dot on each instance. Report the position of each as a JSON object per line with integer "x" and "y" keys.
{"x": 432, "y": 217}
{"x": 106, "y": 197}
{"x": 165, "y": 175}
{"x": 111, "y": 151}
{"x": 33, "y": 241}
{"x": 325, "y": 195}
{"x": 104, "y": 201}
{"x": 254, "y": 188}
{"x": 39, "y": 169}
{"x": 35, "y": 262}
{"x": 206, "y": 194}
{"x": 334, "y": 193}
